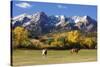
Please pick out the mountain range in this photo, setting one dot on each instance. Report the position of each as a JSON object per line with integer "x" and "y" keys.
{"x": 40, "y": 22}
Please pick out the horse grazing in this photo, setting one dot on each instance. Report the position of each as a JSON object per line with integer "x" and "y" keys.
{"x": 44, "y": 52}
{"x": 74, "y": 50}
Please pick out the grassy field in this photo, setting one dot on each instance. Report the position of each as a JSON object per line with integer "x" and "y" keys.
{"x": 34, "y": 57}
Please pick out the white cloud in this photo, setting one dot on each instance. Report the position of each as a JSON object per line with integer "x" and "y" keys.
{"x": 61, "y": 6}
{"x": 23, "y": 5}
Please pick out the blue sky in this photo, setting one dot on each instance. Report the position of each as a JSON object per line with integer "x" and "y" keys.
{"x": 20, "y": 7}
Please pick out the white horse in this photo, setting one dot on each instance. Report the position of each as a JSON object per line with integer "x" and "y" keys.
{"x": 44, "y": 52}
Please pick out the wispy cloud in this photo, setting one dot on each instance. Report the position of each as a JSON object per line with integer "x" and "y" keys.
{"x": 23, "y": 5}
{"x": 61, "y": 6}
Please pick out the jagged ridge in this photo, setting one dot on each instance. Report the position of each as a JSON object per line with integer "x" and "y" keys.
{"x": 39, "y": 23}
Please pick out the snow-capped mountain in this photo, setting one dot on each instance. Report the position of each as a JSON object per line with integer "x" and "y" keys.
{"x": 20, "y": 20}
{"x": 62, "y": 20}
{"x": 42, "y": 23}
{"x": 86, "y": 23}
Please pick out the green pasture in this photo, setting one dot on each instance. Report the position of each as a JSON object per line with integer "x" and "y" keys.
{"x": 34, "y": 57}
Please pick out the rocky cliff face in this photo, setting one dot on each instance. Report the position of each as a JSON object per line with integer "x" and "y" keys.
{"x": 39, "y": 23}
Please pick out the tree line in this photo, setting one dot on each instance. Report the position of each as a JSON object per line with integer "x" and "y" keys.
{"x": 61, "y": 40}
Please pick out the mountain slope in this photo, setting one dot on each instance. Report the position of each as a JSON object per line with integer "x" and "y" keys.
{"x": 39, "y": 23}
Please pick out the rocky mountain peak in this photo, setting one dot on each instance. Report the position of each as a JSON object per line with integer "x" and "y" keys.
{"x": 44, "y": 23}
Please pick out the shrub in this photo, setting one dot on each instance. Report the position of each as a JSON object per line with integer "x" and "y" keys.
{"x": 49, "y": 41}
{"x": 88, "y": 42}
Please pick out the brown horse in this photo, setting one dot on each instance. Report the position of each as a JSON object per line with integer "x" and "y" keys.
{"x": 74, "y": 50}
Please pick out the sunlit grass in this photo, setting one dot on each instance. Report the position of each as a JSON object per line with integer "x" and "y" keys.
{"x": 34, "y": 57}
